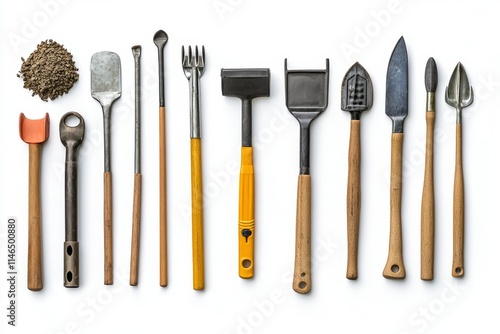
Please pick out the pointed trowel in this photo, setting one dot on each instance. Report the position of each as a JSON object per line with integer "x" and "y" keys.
{"x": 459, "y": 94}
{"x": 396, "y": 107}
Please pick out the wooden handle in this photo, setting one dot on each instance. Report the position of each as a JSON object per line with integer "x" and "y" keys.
{"x": 394, "y": 267}
{"x": 163, "y": 201}
{"x": 108, "y": 230}
{"x": 458, "y": 210}
{"x": 197, "y": 215}
{"x": 136, "y": 230}
{"x": 246, "y": 219}
{"x": 427, "y": 213}
{"x": 302, "y": 269}
{"x": 353, "y": 200}
{"x": 35, "y": 275}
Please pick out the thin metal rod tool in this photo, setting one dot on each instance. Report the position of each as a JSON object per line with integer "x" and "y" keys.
{"x": 136, "y": 211}
{"x": 160, "y": 39}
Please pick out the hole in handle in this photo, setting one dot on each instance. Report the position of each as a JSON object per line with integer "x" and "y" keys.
{"x": 69, "y": 250}
{"x": 72, "y": 121}
{"x": 246, "y": 263}
{"x": 395, "y": 268}
{"x": 458, "y": 270}
{"x": 69, "y": 276}
{"x": 302, "y": 284}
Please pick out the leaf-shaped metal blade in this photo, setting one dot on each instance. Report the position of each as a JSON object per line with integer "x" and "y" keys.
{"x": 396, "y": 99}
{"x": 459, "y": 93}
{"x": 357, "y": 91}
{"x": 431, "y": 76}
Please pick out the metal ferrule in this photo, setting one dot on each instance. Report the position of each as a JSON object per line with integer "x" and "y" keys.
{"x": 71, "y": 264}
{"x": 459, "y": 115}
{"x": 431, "y": 101}
{"x": 194, "y": 103}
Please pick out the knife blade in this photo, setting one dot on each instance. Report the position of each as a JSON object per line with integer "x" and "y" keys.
{"x": 396, "y": 107}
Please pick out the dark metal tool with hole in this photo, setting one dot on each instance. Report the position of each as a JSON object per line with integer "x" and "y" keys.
{"x": 306, "y": 97}
{"x": 246, "y": 84}
{"x": 71, "y": 137}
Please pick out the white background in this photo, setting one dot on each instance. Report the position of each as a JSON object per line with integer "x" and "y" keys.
{"x": 239, "y": 33}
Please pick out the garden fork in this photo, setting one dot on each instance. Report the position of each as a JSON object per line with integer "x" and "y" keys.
{"x": 194, "y": 66}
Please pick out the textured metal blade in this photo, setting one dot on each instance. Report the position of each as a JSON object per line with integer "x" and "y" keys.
{"x": 431, "y": 76}
{"x": 357, "y": 90}
{"x": 396, "y": 100}
{"x": 105, "y": 76}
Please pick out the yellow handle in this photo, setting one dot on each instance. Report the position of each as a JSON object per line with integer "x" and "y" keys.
{"x": 246, "y": 219}
{"x": 197, "y": 215}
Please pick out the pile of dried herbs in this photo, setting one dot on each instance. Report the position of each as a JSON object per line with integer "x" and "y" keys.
{"x": 49, "y": 71}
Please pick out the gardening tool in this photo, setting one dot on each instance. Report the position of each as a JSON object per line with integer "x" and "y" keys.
{"x": 194, "y": 66}
{"x": 71, "y": 137}
{"x": 246, "y": 84}
{"x": 357, "y": 96}
{"x": 396, "y": 107}
{"x": 427, "y": 215}
{"x": 459, "y": 95}
{"x": 35, "y": 133}
{"x": 136, "y": 210}
{"x": 160, "y": 39}
{"x": 106, "y": 88}
{"x": 306, "y": 95}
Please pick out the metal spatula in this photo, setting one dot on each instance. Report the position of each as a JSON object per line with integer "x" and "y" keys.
{"x": 106, "y": 88}
{"x": 306, "y": 97}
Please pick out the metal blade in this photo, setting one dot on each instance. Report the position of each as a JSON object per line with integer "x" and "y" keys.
{"x": 396, "y": 100}
{"x": 105, "y": 75}
{"x": 357, "y": 91}
{"x": 431, "y": 76}
{"x": 459, "y": 93}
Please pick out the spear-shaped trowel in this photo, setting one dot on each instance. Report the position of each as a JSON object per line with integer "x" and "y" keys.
{"x": 459, "y": 95}
{"x": 357, "y": 96}
{"x": 396, "y": 107}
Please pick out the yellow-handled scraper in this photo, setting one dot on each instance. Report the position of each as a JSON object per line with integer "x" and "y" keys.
{"x": 246, "y": 84}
